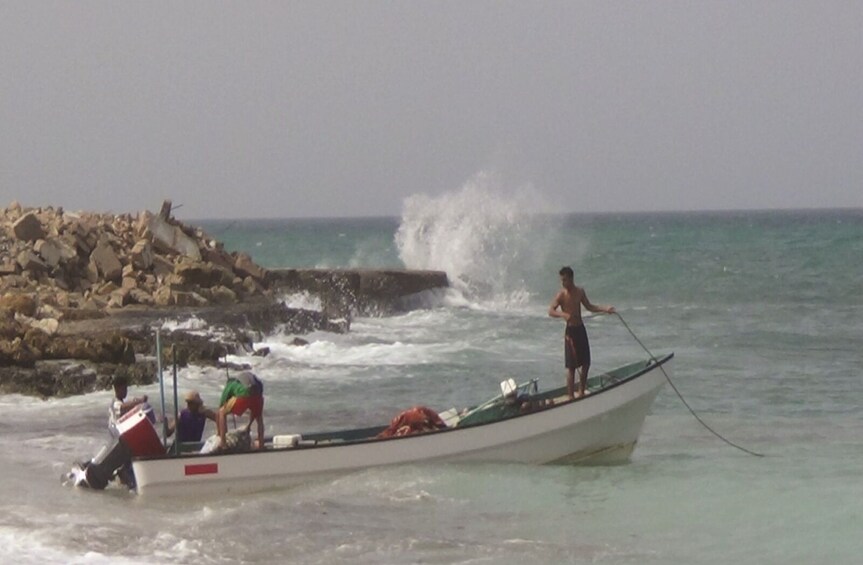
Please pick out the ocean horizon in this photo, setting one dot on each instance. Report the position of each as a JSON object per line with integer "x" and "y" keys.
{"x": 396, "y": 217}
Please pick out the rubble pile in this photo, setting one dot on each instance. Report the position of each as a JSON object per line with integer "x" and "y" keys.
{"x": 81, "y": 292}
{"x": 56, "y": 264}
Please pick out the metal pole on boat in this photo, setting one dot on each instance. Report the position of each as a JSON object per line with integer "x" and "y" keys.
{"x": 161, "y": 385}
{"x": 176, "y": 400}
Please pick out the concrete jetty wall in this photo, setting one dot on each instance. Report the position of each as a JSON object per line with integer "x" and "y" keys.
{"x": 344, "y": 292}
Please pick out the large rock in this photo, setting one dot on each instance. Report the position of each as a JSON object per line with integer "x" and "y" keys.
{"x": 28, "y": 228}
{"x": 138, "y": 296}
{"x": 220, "y": 295}
{"x": 204, "y": 275}
{"x": 50, "y": 252}
{"x": 141, "y": 255}
{"x": 91, "y": 272}
{"x": 245, "y": 267}
{"x": 31, "y": 262}
{"x": 162, "y": 267}
{"x": 217, "y": 256}
{"x": 172, "y": 238}
{"x": 188, "y": 299}
{"x": 105, "y": 347}
{"x": 65, "y": 378}
{"x": 106, "y": 261}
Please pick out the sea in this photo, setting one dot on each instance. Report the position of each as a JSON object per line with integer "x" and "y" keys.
{"x": 762, "y": 309}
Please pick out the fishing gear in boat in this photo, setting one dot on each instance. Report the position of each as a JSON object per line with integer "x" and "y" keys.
{"x": 680, "y": 396}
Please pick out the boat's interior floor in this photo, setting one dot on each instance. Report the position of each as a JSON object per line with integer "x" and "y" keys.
{"x": 514, "y": 400}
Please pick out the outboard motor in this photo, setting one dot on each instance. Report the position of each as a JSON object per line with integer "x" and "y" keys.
{"x": 100, "y": 470}
{"x": 138, "y": 438}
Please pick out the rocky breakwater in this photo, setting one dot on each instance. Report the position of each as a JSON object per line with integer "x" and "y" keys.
{"x": 81, "y": 294}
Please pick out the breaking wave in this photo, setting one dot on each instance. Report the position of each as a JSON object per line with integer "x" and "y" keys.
{"x": 487, "y": 239}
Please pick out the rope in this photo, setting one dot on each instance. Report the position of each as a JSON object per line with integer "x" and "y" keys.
{"x": 680, "y": 396}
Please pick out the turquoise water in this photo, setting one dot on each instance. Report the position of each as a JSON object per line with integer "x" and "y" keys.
{"x": 764, "y": 311}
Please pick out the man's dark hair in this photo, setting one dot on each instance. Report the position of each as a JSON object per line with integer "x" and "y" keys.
{"x": 120, "y": 381}
{"x": 566, "y": 271}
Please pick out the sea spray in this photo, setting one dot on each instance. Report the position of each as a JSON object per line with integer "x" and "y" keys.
{"x": 488, "y": 240}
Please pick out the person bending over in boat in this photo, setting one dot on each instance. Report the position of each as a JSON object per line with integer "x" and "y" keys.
{"x": 243, "y": 393}
{"x": 120, "y": 405}
{"x": 193, "y": 418}
{"x": 576, "y": 347}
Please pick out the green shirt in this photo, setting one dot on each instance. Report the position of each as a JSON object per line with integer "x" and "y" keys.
{"x": 246, "y": 384}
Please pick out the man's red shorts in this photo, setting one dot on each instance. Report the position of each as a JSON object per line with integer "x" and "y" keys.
{"x": 238, "y": 405}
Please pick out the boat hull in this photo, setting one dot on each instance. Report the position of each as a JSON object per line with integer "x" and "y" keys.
{"x": 600, "y": 428}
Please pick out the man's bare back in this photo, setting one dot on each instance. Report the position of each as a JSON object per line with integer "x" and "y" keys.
{"x": 569, "y": 302}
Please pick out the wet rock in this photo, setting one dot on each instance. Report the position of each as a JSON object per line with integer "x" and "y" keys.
{"x": 220, "y": 295}
{"x": 66, "y": 378}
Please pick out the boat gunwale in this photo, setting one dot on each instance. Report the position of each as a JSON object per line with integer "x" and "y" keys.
{"x": 657, "y": 362}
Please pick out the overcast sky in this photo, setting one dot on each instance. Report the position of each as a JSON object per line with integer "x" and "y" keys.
{"x": 285, "y": 109}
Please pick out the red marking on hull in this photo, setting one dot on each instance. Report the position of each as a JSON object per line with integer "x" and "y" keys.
{"x": 202, "y": 469}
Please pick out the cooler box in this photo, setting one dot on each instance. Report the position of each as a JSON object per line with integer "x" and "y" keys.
{"x": 290, "y": 440}
{"x": 138, "y": 433}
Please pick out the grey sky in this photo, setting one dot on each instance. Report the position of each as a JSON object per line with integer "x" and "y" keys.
{"x": 282, "y": 109}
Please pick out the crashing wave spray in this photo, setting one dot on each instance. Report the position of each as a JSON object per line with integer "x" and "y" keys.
{"x": 486, "y": 240}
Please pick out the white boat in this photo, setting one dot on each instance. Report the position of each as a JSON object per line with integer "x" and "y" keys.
{"x": 529, "y": 427}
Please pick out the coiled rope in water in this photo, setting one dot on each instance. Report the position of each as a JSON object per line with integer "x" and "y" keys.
{"x": 680, "y": 396}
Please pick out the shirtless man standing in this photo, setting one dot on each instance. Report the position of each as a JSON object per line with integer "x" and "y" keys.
{"x": 567, "y": 305}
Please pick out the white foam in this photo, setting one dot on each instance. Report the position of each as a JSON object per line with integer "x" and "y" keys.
{"x": 302, "y": 300}
{"x": 330, "y": 353}
{"x": 486, "y": 238}
{"x": 193, "y": 324}
{"x": 27, "y": 546}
